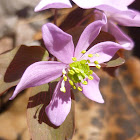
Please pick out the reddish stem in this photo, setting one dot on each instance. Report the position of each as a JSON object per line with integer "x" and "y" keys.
{"x": 55, "y": 16}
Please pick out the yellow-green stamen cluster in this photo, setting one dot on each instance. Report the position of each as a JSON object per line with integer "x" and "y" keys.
{"x": 78, "y": 71}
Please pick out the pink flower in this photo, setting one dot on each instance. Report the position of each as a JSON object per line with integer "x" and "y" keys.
{"x": 117, "y": 12}
{"x": 124, "y": 18}
{"x": 99, "y": 4}
{"x": 74, "y": 67}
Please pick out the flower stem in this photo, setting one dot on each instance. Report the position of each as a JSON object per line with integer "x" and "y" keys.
{"x": 55, "y": 16}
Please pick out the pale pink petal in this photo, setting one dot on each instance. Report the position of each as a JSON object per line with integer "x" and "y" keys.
{"x": 127, "y": 2}
{"x": 98, "y": 15}
{"x": 58, "y": 43}
{"x": 46, "y": 4}
{"x": 60, "y": 105}
{"x": 113, "y": 29}
{"x": 111, "y": 15}
{"x": 105, "y": 50}
{"x": 118, "y": 4}
{"x": 88, "y": 35}
{"x": 91, "y": 90}
{"x": 126, "y": 20}
{"x": 122, "y": 38}
{"x": 39, "y": 73}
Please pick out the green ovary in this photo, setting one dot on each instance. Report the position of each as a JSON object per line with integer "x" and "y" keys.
{"x": 80, "y": 71}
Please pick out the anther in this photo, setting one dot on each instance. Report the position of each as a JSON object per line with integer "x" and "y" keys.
{"x": 74, "y": 87}
{"x": 85, "y": 83}
{"x": 71, "y": 72}
{"x": 83, "y": 51}
{"x": 96, "y": 62}
{"x": 79, "y": 88}
{"x": 88, "y": 61}
{"x": 63, "y": 89}
{"x": 90, "y": 77}
{"x": 98, "y": 66}
{"x": 74, "y": 58}
{"x": 90, "y": 55}
{"x": 71, "y": 82}
{"x": 77, "y": 70}
{"x": 65, "y": 78}
{"x": 64, "y": 72}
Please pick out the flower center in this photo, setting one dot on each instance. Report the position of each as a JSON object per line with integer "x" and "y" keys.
{"x": 78, "y": 71}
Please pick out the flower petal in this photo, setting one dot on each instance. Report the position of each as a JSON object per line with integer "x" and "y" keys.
{"x": 39, "y": 73}
{"x": 125, "y": 19}
{"x": 118, "y": 4}
{"x": 91, "y": 90}
{"x": 122, "y": 38}
{"x": 58, "y": 43}
{"x": 88, "y": 35}
{"x": 112, "y": 14}
{"x": 46, "y": 4}
{"x": 105, "y": 50}
{"x": 60, "y": 105}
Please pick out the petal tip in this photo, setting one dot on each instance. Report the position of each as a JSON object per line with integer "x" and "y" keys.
{"x": 36, "y": 10}
{"x": 102, "y": 101}
{"x": 11, "y": 98}
{"x": 56, "y": 123}
{"x": 52, "y": 120}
